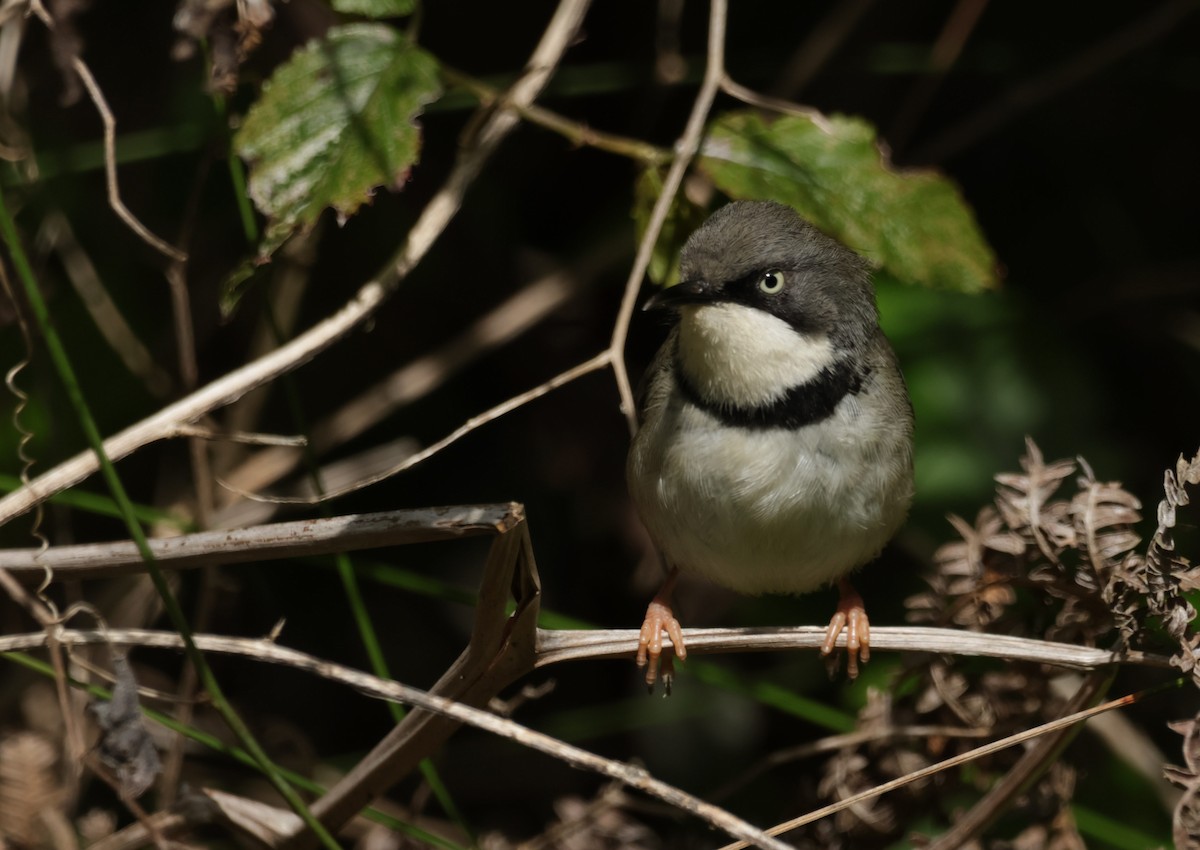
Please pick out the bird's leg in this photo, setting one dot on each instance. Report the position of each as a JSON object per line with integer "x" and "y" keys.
{"x": 659, "y": 619}
{"x": 851, "y": 616}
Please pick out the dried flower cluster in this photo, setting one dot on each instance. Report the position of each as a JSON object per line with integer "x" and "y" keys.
{"x": 1040, "y": 563}
{"x": 30, "y": 793}
{"x": 231, "y": 31}
{"x": 1076, "y": 553}
{"x": 1187, "y": 812}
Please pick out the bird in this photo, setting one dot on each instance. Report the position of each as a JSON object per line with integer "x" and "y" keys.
{"x": 774, "y": 452}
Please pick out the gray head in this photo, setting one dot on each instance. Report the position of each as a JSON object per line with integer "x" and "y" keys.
{"x": 761, "y": 254}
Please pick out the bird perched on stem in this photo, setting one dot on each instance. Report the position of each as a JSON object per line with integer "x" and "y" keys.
{"x": 775, "y": 448}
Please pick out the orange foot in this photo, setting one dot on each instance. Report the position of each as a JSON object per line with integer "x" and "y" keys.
{"x": 659, "y": 619}
{"x": 851, "y": 616}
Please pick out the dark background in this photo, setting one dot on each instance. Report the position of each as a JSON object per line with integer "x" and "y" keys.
{"x": 1068, "y": 126}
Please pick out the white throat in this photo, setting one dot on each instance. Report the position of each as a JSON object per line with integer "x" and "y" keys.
{"x": 744, "y": 357}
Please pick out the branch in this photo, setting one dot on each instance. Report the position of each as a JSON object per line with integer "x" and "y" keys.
{"x": 686, "y": 148}
{"x": 302, "y": 538}
{"x": 555, "y": 646}
{"x": 575, "y": 131}
{"x": 598, "y": 362}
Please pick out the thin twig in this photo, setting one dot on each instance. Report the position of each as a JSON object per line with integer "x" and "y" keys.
{"x": 772, "y": 104}
{"x": 1032, "y": 764}
{"x": 685, "y": 151}
{"x": 166, "y": 823}
{"x": 262, "y": 650}
{"x": 246, "y": 438}
{"x": 955, "y": 761}
{"x": 202, "y": 484}
{"x": 500, "y": 121}
{"x": 110, "y": 167}
{"x": 285, "y": 291}
{"x": 575, "y": 131}
{"x": 230, "y": 387}
{"x": 100, "y": 769}
{"x": 598, "y": 362}
{"x": 416, "y": 379}
{"x": 833, "y": 743}
{"x": 46, "y": 617}
{"x": 57, "y": 234}
{"x": 110, "y": 152}
{"x": 25, "y": 435}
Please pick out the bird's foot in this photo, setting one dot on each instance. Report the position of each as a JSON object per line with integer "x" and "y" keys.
{"x": 659, "y": 619}
{"x": 850, "y": 617}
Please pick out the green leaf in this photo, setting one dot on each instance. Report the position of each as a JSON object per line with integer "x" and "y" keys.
{"x": 334, "y": 123}
{"x": 375, "y": 8}
{"x": 913, "y": 223}
{"x": 682, "y": 218}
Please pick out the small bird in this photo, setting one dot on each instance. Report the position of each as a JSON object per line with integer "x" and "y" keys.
{"x": 774, "y": 453}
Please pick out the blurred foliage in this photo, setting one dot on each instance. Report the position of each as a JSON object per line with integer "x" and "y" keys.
{"x": 832, "y": 171}
{"x": 375, "y": 8}
{"x": 1070, "y": 161}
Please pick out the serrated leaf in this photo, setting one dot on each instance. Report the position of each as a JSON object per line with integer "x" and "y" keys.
{"x": 375, "y": 8}
{"x": 334, "y": 123}
{"x": 914, "y": 224}
{"x": 682, "y": 218}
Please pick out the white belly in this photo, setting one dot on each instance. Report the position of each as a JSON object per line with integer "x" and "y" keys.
{"x": 772, "y": 510}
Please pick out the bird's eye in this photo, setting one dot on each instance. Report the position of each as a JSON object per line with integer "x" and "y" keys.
{"x": 771, "y": 282}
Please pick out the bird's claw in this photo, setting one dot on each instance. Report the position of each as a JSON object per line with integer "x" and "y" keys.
{"x": 850, "y": 617}
{"x": 659, "y": 619}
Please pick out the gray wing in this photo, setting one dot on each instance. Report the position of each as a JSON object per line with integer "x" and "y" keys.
{"x": 655, "y": 385}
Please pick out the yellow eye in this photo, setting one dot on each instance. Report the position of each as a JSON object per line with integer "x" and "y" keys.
{"x": 771, "y": 282}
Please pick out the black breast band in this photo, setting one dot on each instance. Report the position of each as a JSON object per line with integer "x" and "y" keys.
{"x": 804, "y": 404}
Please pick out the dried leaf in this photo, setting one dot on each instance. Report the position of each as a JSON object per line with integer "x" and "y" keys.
{"x": 230, "y": 32}
{"x": 268, "y": 824}
{"x": 1186, "y": 821}
{"x": 125, "y": 743}
{"x": 1185, "y": 826}
{"x": 967, "y": 590}
{"x": 1024, "y": 501}
{"x": 1072, "y": 555}
{"x": 28, "y": 786}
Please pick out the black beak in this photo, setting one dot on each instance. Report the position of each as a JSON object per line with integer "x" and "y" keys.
{"x": 684, "y": 292}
